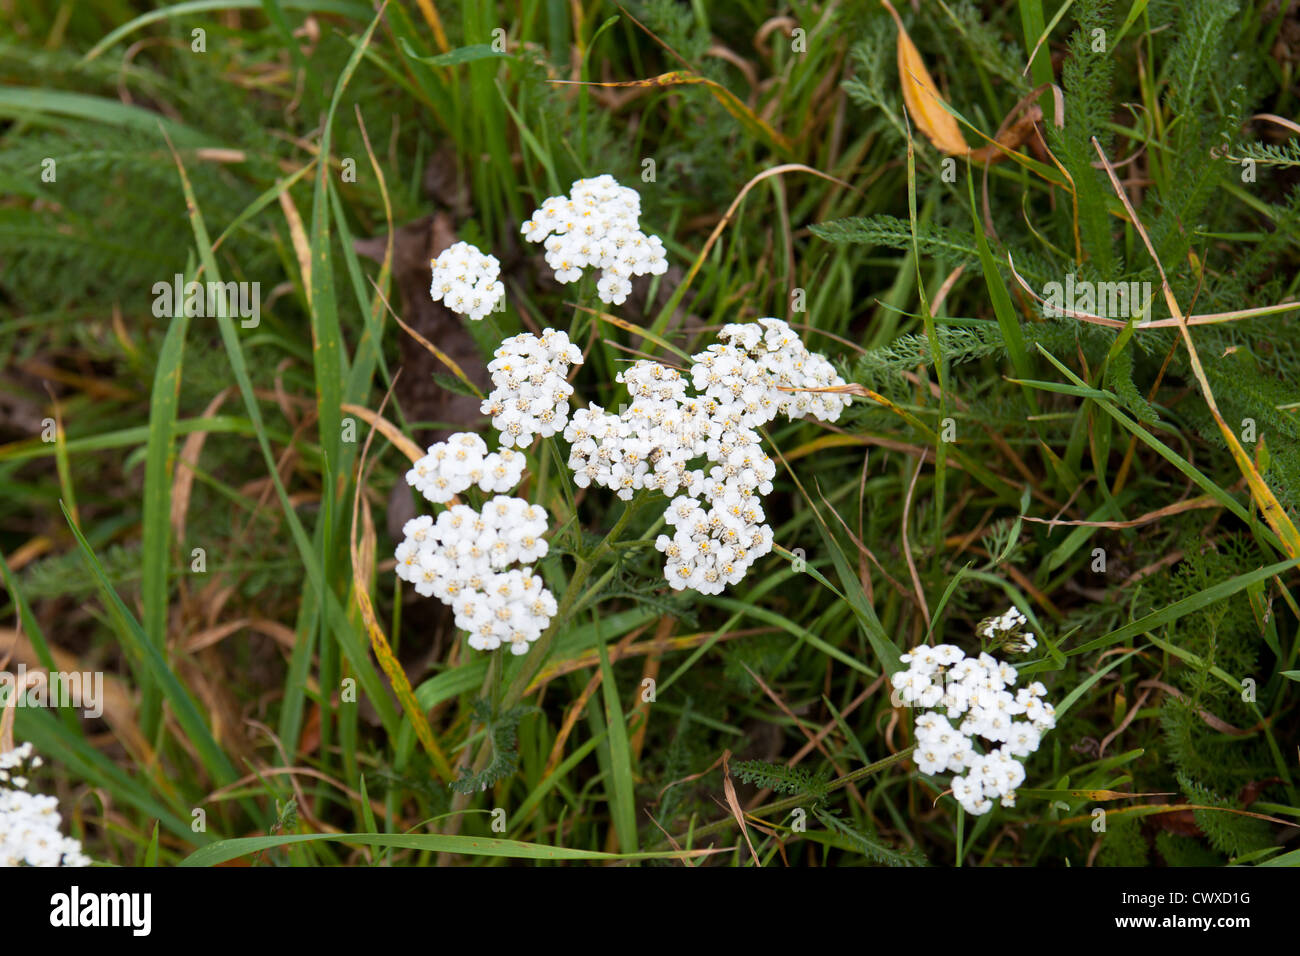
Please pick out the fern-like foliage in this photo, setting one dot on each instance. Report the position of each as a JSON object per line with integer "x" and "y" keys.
{"x": 502, "y": 730}
{"x": 868, "y": 844}
{"x": 1119, "y": 379}
{"x": 873, "y": 86}
{"x": 1087, "y": 77}
{"x": 986, "y": 44}
{"x": 1269, "y": 154}
{"x": 1124, "y": 844}
{"x": 795, "y": 781}
{"x": 950, "y": 246}
{"x": 1230, "y": 833}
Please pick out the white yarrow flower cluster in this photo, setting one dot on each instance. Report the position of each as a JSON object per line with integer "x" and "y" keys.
{"x": 702, "y": 451}
{"x": 462, "y": 558}
{"x": 649, "y": 444}
{"x": 753, "y": 362}
{"x": 29, "y": 822}
{"x": 452, "y": 466}
{"x": 597, "y": 226}
{"x": 976, "y": 692}
{"x": 531, "y": 391}
{"x": 712, "y": 548}
{"x": 718, "y": 520}
{"x": 719, "y": 527}
{"x": 1005, "y": 630}
{"x": 465, "y": 280}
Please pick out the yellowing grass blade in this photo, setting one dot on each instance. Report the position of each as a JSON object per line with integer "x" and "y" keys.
{"x": 627, "y": 326}
{"x": 727, "y": 99}
{"x": 362, "y": 553}
{"x": 922, "y": 98}
{"x": 301, "y": 245}
{"x": 390, "y": 431}
{"x": 435, "y": 24}
{"x": 1269, "y": 506}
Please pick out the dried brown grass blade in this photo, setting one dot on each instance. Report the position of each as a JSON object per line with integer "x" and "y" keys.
{"x": 386, "y": 428}
{"x": 729, "y": 791}
{"x": 1192, "y": 504}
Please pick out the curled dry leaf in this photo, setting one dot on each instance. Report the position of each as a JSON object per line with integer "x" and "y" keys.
{"x": 924, "y": 104}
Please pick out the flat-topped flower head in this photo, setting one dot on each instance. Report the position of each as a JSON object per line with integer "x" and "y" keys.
{"x": 530, "y": 394}
{"x": 466, "y": 280}
{"x": 452, "y": 466}
{"x": 511, "y": 609}
{"x": 977, "y": 692}
{"x": 648, "y": 444}
{"x": 764, "y": 369}
{"x": 463, "y": 558}
{"x": 597, "y": 226}
{"x": 711, "y": 548}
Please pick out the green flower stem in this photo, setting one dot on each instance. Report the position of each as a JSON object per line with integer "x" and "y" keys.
{"x": 581, "y": 604}
{"x": 535, "y": 658}
{"x": 492, "y": 683}
{"x": 542, "y": 648}
{"x": 562, "y": 479}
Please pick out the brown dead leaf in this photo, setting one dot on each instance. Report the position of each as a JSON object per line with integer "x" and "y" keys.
{"x": 924, "y": 104}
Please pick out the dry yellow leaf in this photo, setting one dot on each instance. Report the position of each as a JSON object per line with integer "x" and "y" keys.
{"x": 924, "y": 104}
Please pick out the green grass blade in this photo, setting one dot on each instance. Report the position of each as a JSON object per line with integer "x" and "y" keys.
{"x": 227, "y": 850}
{"x": 1206, "y": 598}
{"x": 623, "y": 804}
{"x": 160, "y": 464}
{"x": 139, "y": 645}
{"x": 343, "y": 7}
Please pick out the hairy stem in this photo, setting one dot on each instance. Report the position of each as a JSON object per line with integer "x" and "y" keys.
{"x": 535, "y": 658}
